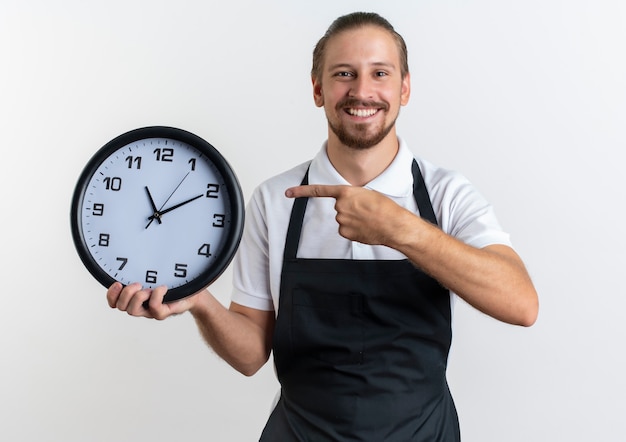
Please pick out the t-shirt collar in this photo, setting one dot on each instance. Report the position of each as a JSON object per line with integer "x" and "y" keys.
{"x": 395, "y": 181}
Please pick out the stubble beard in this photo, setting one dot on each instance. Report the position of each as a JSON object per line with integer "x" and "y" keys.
{"x": 357, "y": 136}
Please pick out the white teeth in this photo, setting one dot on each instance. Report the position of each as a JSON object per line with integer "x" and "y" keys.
{"x": 362, "y": 112}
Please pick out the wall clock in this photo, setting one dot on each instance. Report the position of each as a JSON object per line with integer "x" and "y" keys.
{"x": 160, "y": 206}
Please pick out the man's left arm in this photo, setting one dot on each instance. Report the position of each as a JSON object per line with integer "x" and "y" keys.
{"x": 492, "y": 279}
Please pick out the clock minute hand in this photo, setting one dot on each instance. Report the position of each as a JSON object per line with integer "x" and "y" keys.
{"x": 160, "y": 213}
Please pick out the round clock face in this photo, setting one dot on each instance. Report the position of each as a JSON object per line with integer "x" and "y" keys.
{"x": 158, "y": 206}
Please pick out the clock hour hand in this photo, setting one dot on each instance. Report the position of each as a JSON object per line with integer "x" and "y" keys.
{"x": 160, "y": 213}
{"x": 155, "y": 211}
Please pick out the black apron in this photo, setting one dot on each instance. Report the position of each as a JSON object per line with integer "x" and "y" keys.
{"x": 361, "y": 347}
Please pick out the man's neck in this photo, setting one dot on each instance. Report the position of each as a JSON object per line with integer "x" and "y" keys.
{"x": 360, "y": 166}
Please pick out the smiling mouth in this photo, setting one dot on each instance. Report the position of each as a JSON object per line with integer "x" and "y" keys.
{"x": 361, "y": 112}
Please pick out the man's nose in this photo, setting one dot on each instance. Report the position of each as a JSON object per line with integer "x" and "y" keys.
{"x": 362, "y": 87}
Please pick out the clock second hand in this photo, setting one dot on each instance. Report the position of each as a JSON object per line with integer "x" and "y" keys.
{"x": 158, "y": 212}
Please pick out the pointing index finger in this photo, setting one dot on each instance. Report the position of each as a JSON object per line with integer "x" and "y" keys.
{"x": 314, "y": 191}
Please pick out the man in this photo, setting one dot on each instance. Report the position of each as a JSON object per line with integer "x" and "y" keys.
{"x": 348, "y": 262}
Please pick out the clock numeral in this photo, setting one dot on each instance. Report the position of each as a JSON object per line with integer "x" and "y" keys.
{"x": 151, "y": 276}
{"x": 123, "y": 260}
{"x": 136, "y": 160}
{"x": 212, "y": 190}
{"x": 193, "y": 164}
{"x": 218, "y": 220}
{"x": 98, "y": 209}
{"x": 113, "y": 183}
{"x": 205, "y": 250}
{"x": 103, "y": 240}
{"x": 165, "y": 154}
{"x": 180, "y": 270}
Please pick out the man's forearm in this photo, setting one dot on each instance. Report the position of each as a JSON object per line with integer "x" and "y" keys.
{"x": 240, "y": 336}
{"x": 493, "y": 279}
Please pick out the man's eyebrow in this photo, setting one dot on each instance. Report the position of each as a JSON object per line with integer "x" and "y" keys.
{"x": 382, "y": 64}
{"x": 340, "y": 66}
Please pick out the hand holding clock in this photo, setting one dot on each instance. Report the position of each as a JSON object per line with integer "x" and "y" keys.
{"x": 110, "y": 227}
{"x": 146, "y": 302}
{"x": 168, "y": 268}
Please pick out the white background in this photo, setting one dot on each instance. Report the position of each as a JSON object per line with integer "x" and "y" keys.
{"x": 526, "y": 98}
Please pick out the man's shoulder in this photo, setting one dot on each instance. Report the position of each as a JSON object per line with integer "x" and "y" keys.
{"x": 437, "y": 176}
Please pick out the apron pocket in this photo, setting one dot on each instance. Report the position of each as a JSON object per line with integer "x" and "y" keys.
{"x": 328, "y": 326}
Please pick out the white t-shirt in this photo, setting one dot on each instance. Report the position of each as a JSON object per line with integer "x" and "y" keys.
{"x": 461, "y": 212}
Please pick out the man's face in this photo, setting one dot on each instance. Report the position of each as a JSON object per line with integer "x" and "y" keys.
{"x": 361, "y": 88}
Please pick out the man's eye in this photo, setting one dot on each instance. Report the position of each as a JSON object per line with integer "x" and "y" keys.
{"x": 343, "y": 74}
{"x": 381, "y": 74}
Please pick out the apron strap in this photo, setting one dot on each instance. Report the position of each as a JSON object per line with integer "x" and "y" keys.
{"x": 421, "y": 195}
{"x": 295, "y": 223}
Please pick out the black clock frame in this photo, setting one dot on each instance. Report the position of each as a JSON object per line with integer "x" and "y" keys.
{"x": 235, "y": 230}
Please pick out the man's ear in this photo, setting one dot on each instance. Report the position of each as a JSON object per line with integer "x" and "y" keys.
{"x": 406, "y": 89}
{"x": 317, "y": 92}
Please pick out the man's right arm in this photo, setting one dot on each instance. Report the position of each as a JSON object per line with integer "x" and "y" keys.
{"x": 240, "y": 335}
